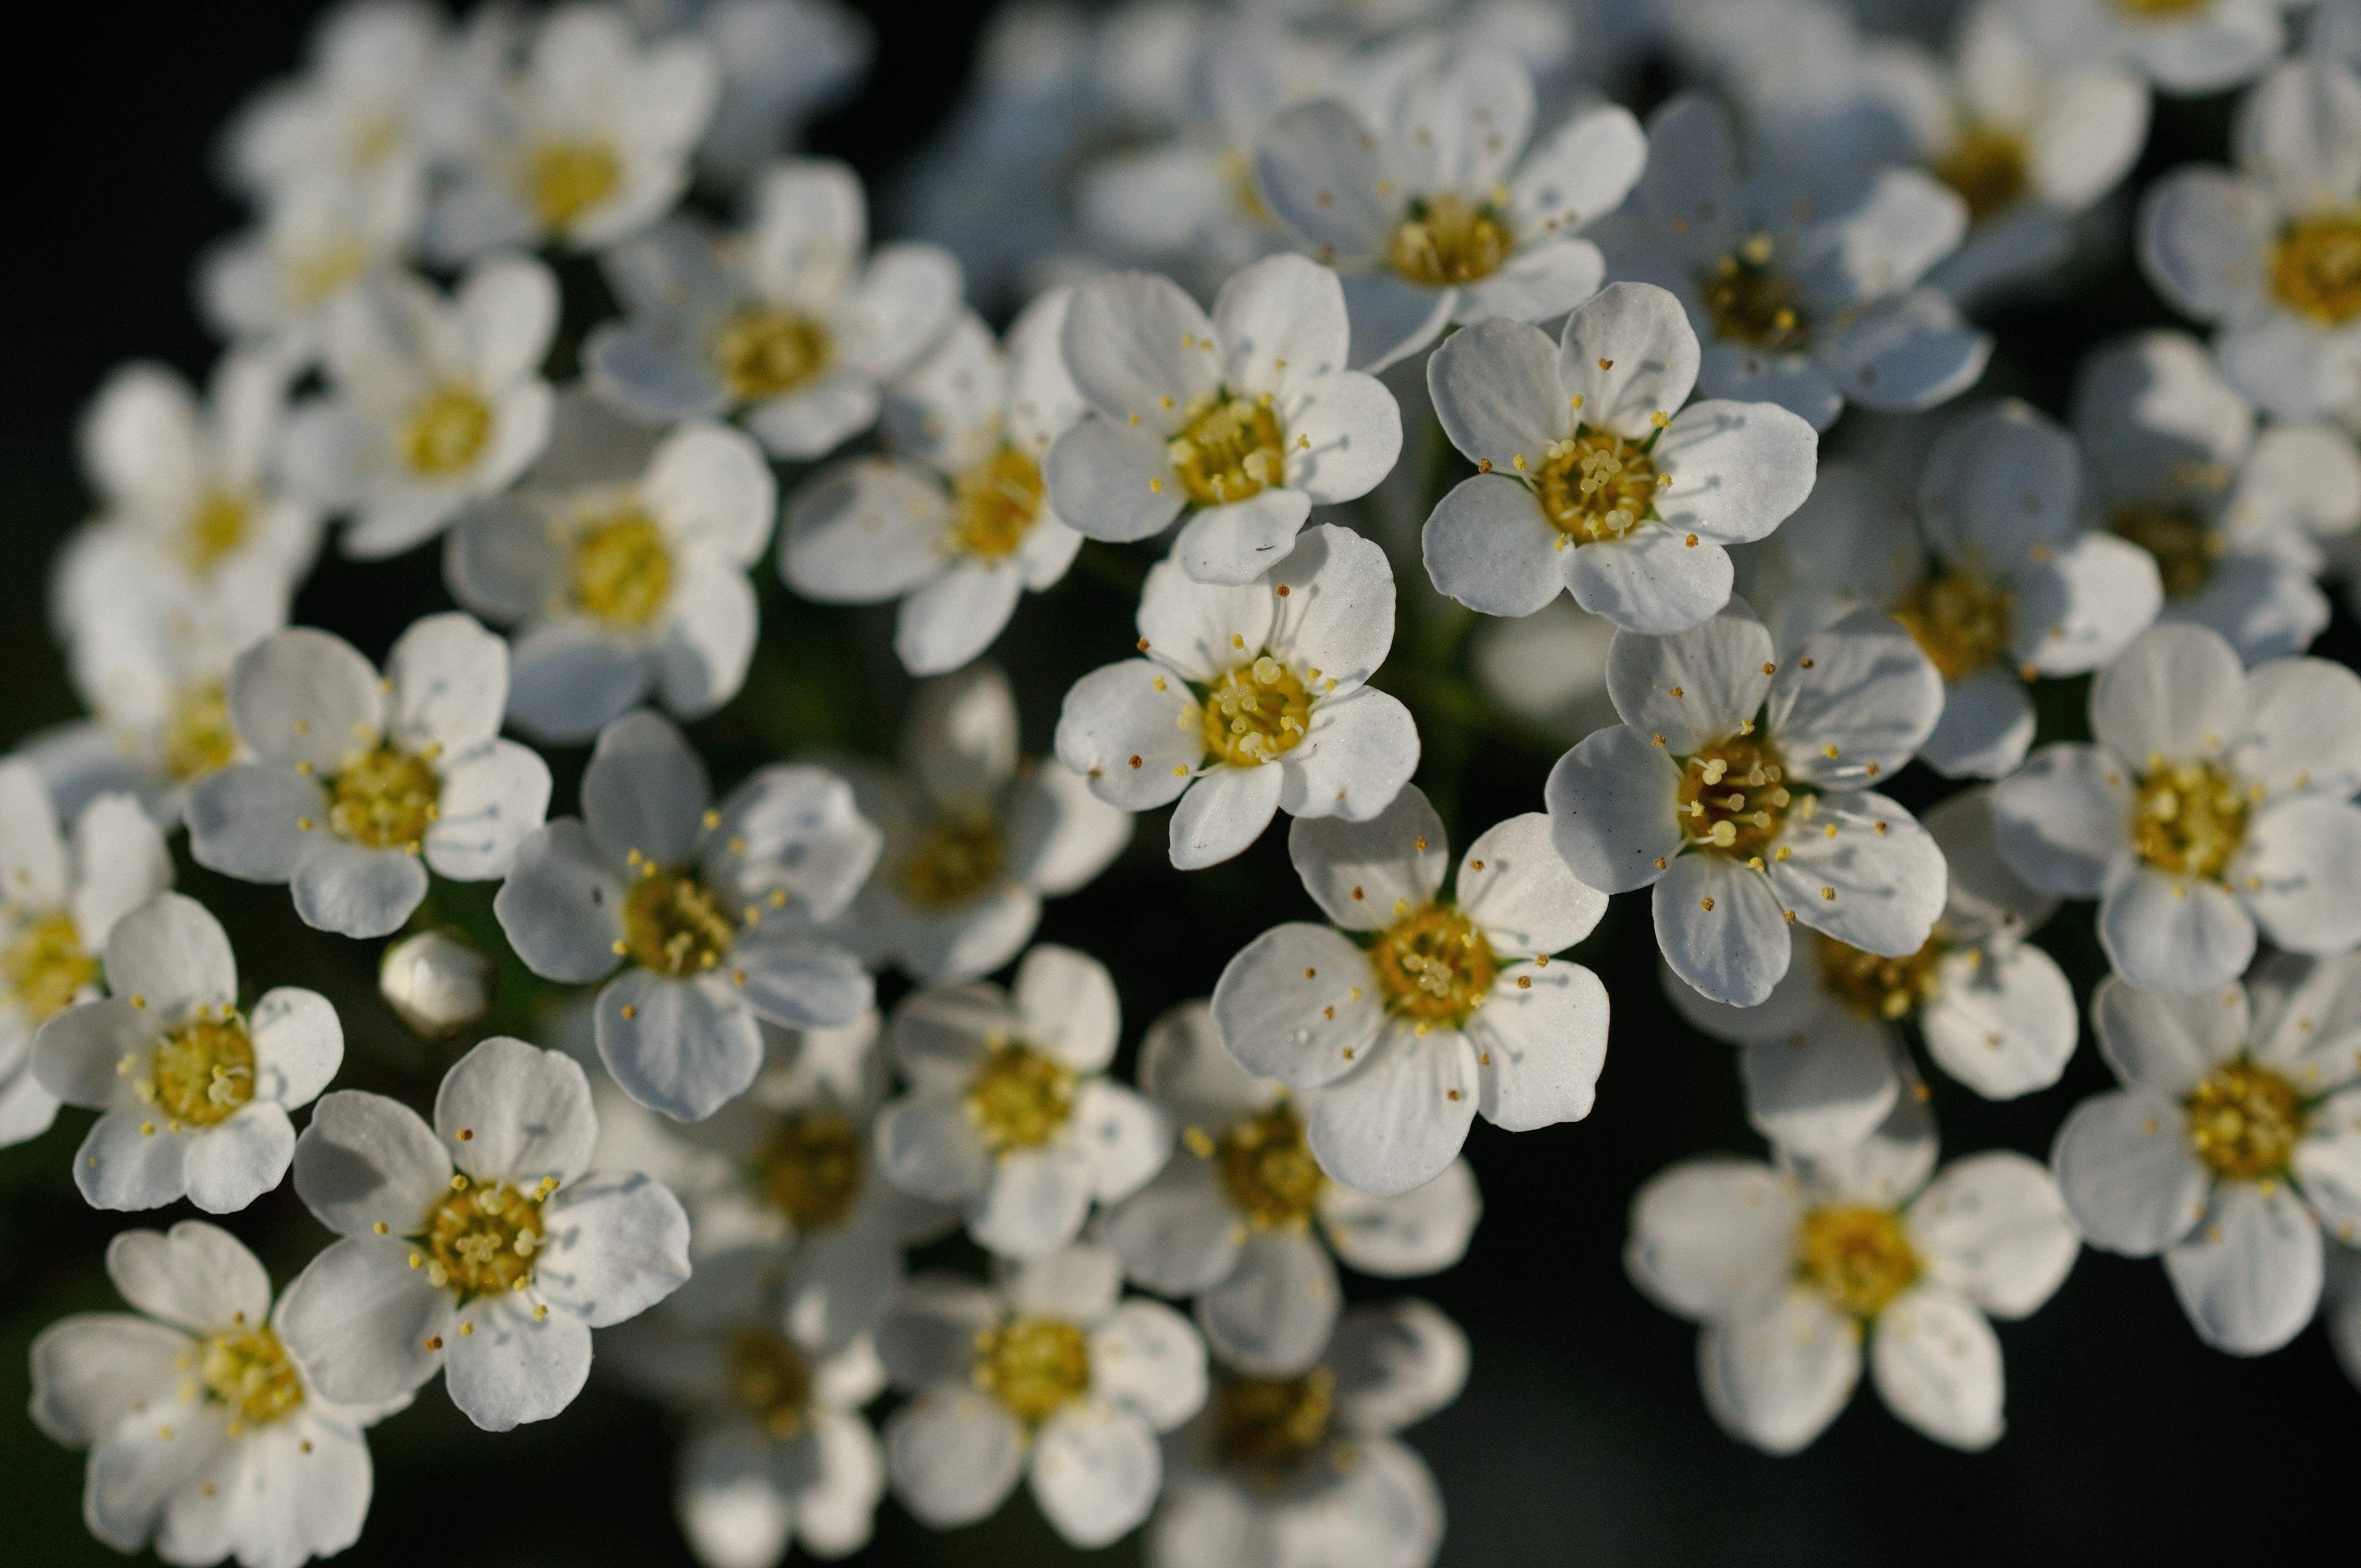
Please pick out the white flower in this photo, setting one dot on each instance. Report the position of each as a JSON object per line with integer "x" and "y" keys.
{"x": 1734, "y": 786}
{"x": 794, "y": 321}
{"x": 1308, "y": 1469}
{"x": 2260, "y": 250}
{"x": 2185, "y": 46}
{"x": 356, "y": 780}
{"x": 957, "y": 522}
{"x": 777, "y": 1447}
{"x": 1242, "y": 420}
{"x": 1587, "y": 480}
{"x": 195, "y": 1094}
{"x": 2002, "y": 580}
{"x": 1238, "y": 1216}
{"x": 623, "y": 560}
{"x": 711, "y": 910}
{"x": 2211, "y": 799}
{"x": 60, "y": 898}
{"x": 2234, "y": 1139}
{"x": 2232, "y": 514}
{"x": 1049, "y": 1374}
{"x": 1804, "y": 304}
{"x": 1995, "y": 1012}
{"x": 1548, "y": 668}
{"x": 975, "y": 837}
{"x": 207, "y": 1437}
{"x": 433, "y": 402}
{"x": 587, "y": 145}
{"x": 1009, "y": 1112}
{"x": 1454, "y": 1006}
{"x": 1251, "y": 700}
{"x": 317, "y": 240}
{"x": 1789, "y": 1268}
{"x": 782, "y": 61}
{"x": 1433, "y": 209}
{"x": 360, "y": 112}
{"x": 494, "y": 1275}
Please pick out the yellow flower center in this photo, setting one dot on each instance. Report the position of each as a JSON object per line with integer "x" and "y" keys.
{"x": 674, "y": 925}
{"x": 1752, "y": 302}
{"x": 197, "y": 737}
{"x": 993, "y": 504}
{"x": 811, "y": 1168}
{"x": 1596, "y": 484}
{"x": 1230, "y": 449}
{"x": 1730, "y": 797}
{"x": 1239, "y": 170}
{"x": 1433, "y": 966}
{"x": 386, "y": 800}
{"x": 957, "y": 858}
{"x": 1960, "y": 622}
{"x": 1254, "y": 713}
{"x": 622, "y": 569}
{"x": 1268, "y": 1170}
{"x": 214, "y": 528}
{"x": 765, "y": 352}
{"x": 252, "y": 1374}
{"x": 1858, "y": 1258}
{"x": 1020, "y": 1098}
{"x": 204, "y": 1072}
{"x": 769, "y": 1377}
{"x": 2316, "y": 267}
{"x": 480, "y": 1241}
{"x": 1033, "y": 1366}
{"x": 314, "y": 274}
{"x": 565, "y": 179}
{"x": 2187, "y": 821}
{"x": 446, "y": 431}
{"x": 1988, "y": 168}
{"x": 46, "y": 966}
{"x": 2245, "y": 1121}
{"x": 2186, "y": 551}
{"x": 1449, "y": 240}
{"x": 1878, "y": 987}
{"x": 2154, "y": 9}
{"x": 1271, "y": 1423}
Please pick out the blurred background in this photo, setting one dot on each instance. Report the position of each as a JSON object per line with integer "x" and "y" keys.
{"x": 1581, "y": 1437}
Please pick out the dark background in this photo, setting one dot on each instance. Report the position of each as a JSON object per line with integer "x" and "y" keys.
{"x": 1581, "y": 1437}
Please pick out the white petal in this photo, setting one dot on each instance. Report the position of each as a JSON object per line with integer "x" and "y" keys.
{"x": 1738, "y": 470}
{"x": 1994, "y": 1228}
{"x": 1068, "y": 1002}
{"x": 1336, "y": 623}
{"x": 1236, "y": 543}
{"x": 1630, "y": 355}
{"x": 1400, "y": 1116}
{"x": 1080, "y": 1285}
{"x": 450, "y": 682}
{"x": 1488, "y": 545}
{"x": 197, "y": 1276}
{"x": 1821, "y": 1093}
{"x": 301, "y": 695}
{"x": 1987, "y": 724}
{"x": 1859, "y": 697}
{"x": 1541, "y": 1038}
{"x": 1709, "y": 1235}
{"x": 229, "y": 1165}
{"x": 2173, "y": 687}
{"x": 359, "y": 1318}
{"x": 1179, "y": 1234}
{"x": 2169, "y": 934}
{"x": 1130, "y": 711}
{"x": 1722, "y": 928}
{"x": 1109, "y": 481}
{"x": 2064, "y": 819}
{"x": 644, "y": 791}
{"x": 354, "y": 891}
{"x": 1906, "y": 354}
{"x": 1366, "y": 875}
{"x": 1782, "y": 1374}
{"x": 1540, "y": 281}
{"x": 1225, "y": 811}
{"x": 2249, "y": 1276}
{"x": 2127, "y": 1173}
{"x": 2084, "y": 605}
{"x": 863, "y": 531}
{"x": 2003, "y": 1023}
{"x": 1652, "y": 580}
{"x": 1127, "y": 1138}
{"x": 490, "y": 800}
{"x": 561, "y": 905}
{"x": 1495, "y": 389}
{"x": 1287, "y": 1009}
{"x": 2165, "y": 1044}
{"x": 953, "y": 1455}
{"x": 2301, "y": 873}
{"x": 1033, "y": 1201}
{"x": 1610, "y": 803}
{"x": 955, "y": 617}
{"x": 1271, "y": 1317}
{"x": 172, "y": 955}
{"x": 685, "y": 1047}
{"x": 730, "y": 1512}
{"x": 2328, "y": 1162}
{"x": 505, "y": 1367}
{"x": 572, "y": 676}
{"x": 613, "y": 1244}
{"x": 1936, "y": 1363}
{"x": 1423, "y": 1231}
{"x": 1095, "y": 1473}
{"x": 1145, "y": 1356}
{"x": 708, "y": 640}
{"x": 365, "y": 1160}
{"x": 1282, "y": 322}
{"x": 927, "y": 1335}
{"x": 526, "y": 1112}
{"x": 127, "y": 1161}
{"x": 1863, "y": 872}
{"x": 1135, "y": 345}
{"x": 89, "y": 1370}
{"x": 2300, "y": 718}
{"x": 813, "y": 420}
{"x": 1580, "y": 171}
{"x": 1718, "y": 666}
{"x": 1318, "y": 168}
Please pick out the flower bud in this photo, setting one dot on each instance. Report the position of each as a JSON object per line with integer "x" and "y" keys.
{"x": 436, "y": 983}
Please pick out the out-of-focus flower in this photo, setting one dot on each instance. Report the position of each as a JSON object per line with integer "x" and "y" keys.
{"x": 2211, "y": 800}
{"x": 783, "y": 63}
{"x": 2184, "y": 46}
{"x": 1548, "y": 668}
{"x": 2234, "y": 1138}
{"x": 436, "y": 983}
{"x": 357, "y": 115}
{"x": 2340, "y": 1305}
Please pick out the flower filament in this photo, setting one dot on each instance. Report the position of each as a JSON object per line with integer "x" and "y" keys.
{"x": 447, "y": 430}
{"x": 1254, "y": 714}
{"x": 200, "y": 1075}
{"x": 1595, "y": 485}
{"x": 763, "y": 353}
{"x": 810, "y": 1168}
{"x": 1020, "y": 1098}
{"x": 482, "y": 1240}
{"x": 2316, "y": 266}
{"x": 2188, "y": 820}
{"x": 197, "y": 737}
{"x": 771, "y": 1377}
{"x": 1960, "y": 621}
{"x": 674, "y": 925}
{"x": 2186, "y": 551}
{"x": 1858, "y": 1257}
{"x": 1434, "y": 966}
{"x": 1877, "y": 987}
{"x": 993, "y": 504}
{"x": 1448, "y": 239}
{"x": 1230, "y": 449}
{"x": 1268, "y": 1168}
{"x": 1988, "y": 168}
{"x": 1753, "y": 302}
{"x": 385, "y": 799}
{"x": 622, "y": 570}
{"x": 2245, "y": 1121}
{"x": 1732, "y": 799}
{"x": 46, "y": 968}
{"x": 253, "y": 1375}
{"x": 958, "y": 857}
{"x": 1033, "y": 1366}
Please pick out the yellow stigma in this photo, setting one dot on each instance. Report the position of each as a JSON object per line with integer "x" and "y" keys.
{"x": 2245, "y": 1121}
{"x": 993, "y": 504}
{"x": 1268, "y": 1170}
{"x": 811, "y": 1168}
{"x": 1433, "y": 966}
{"x": 1020, "y": 1098}
{"x": 204, "y": 1073}
{"x": 956, "y": 858}
{"x": 674, "y": 925}
{"x": 1271, "y": 1423}
{"x": 1752, "y": 302}
{"x": 251, "y": 1374}
{"x": 1988, "y": 168}
{"x": 1033, "y": 1366}
{"x": 621, "y": 571}
{"x": 197, "y": 737}
{"x": 2316, "y": 266}
{"x": 1254, "y": 713}
{"x": 1858, "y": 1258}
{"x": 46, "y": 968}
{"x": 1878, "y": 987}
{"x": 771, "y": 1377}
{"x": 1595, "y": 485}
{"x": 446, "y": 431}
{"x": 565, "y": 179}
{"x": 1448, "y": 239}
{"x": 215, "y": 527}
{"x": 386, "y": 799}
{"x": 2186, "y": 551}
{"x": 763, "y": 353}
{"x": 1960, "y": 622}
{"x": 480, "y": 1241}
{"x": 1731, "y": 798}
{"x": 2188, "y": 820}
{"x": 1230, "y": 449}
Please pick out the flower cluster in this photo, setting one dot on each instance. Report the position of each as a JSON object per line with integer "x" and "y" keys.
{"x": 1384, "y": 330}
